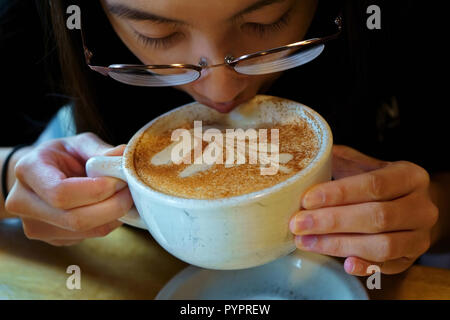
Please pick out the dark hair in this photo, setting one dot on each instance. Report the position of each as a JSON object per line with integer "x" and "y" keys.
{"x": 77, "y": 80}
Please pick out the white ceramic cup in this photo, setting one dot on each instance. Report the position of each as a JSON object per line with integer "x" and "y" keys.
{"x": 230, "y": 233}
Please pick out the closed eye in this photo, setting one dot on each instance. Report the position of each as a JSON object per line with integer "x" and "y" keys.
{"x": 263, "y": 29}
{"x": 159, "y": 43}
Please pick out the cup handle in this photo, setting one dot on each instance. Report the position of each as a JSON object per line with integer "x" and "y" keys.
{"x": 102, "y": 166}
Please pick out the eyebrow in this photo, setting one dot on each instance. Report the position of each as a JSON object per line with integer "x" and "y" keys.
{"x": 256, "y": 6}
{"x": 124, "y": 11}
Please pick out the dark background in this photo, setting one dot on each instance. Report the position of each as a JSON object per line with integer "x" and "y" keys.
{"x": 348, "y": 84}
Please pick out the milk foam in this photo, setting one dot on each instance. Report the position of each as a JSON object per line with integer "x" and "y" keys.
{"x": 165, "y": 157}
{"x": 206, "y": 181}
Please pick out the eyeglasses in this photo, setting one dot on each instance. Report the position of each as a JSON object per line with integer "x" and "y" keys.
{"x": 258, "y": 63}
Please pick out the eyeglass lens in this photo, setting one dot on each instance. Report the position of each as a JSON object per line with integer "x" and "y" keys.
{"x": 264, "y": 64}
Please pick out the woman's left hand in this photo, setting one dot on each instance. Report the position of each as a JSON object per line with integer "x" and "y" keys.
{"x": 373, "y": 213}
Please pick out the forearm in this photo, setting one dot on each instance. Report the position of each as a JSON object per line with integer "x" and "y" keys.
{"x": 440, "y": 194}
{"x": 10, "y": 174}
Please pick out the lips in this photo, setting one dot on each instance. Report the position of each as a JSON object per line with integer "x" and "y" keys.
{"x": 223, "y": 107}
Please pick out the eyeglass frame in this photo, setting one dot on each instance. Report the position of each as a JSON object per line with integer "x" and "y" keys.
{"x": 229, "y": 59}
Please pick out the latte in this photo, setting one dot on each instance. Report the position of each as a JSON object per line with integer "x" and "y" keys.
{"x": 190, "y": 177}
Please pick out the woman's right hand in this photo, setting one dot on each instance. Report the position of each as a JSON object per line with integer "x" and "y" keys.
{"x": 57, "y": 203}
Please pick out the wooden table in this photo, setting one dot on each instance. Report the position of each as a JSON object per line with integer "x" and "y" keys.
{"x": 129, "y": 264}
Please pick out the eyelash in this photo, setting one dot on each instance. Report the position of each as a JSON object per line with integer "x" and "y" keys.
{"x": 260, "y": 29}
{"x": 263, "y": 29}
{"x": 158, "y": 43}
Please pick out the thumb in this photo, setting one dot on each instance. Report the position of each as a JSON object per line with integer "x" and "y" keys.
{"x": 349, "y": 162}
{"x": 88, "y": 145}
{"x": 116, "y": 151}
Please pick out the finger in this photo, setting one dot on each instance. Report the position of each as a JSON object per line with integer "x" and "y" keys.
{"x": 116, "y": 151}
{"x": 378, "y": 247}
{"x": 41, "y": 172}
{"x": 86, "y": 145}
{"x": 25, "y": 203}
{"x": 81, "y": 219}
{"x": 365, "y": 161}
{"x": 360, "y": 267}
{"x": 342, "y": 168}
{"x": 349, "y": 162}
{"x": 405, "y": 213}
{"x": 390, "y": 182}
{"x": 38, "y": 230}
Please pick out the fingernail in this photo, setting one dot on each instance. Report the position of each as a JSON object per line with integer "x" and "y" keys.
{"x": 349, "y": 266}
{"x": 107, "y": 150}
{"x": 302, "y": 223}
{"x": 112, "y": 151}
{"x": 306, "y": 242}
{"x": 313, "y": 199}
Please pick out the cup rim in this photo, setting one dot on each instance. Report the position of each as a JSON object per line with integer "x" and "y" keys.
{"x": 321, "y": 156}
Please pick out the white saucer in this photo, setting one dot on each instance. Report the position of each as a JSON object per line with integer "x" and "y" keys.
{"x": 133, "y": 219}
{"x": 298, "y": 276}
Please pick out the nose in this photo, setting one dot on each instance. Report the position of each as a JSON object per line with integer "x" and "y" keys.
{"x": 220, "y": 86}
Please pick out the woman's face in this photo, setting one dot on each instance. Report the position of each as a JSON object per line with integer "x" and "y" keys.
{"x": 183, "y": 31}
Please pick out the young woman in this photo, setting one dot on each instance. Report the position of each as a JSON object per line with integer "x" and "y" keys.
{"x": 373, "y": 212}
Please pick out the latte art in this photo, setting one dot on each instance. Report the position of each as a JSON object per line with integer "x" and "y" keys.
{"x": 247, "y": 148}
{"x": 209, "y": 164}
